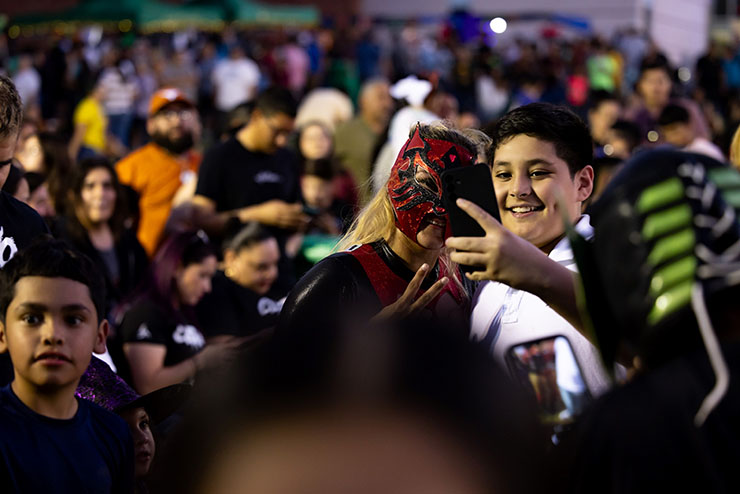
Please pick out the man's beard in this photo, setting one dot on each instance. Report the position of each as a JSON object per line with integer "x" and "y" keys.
{"x": 177, "y": 145}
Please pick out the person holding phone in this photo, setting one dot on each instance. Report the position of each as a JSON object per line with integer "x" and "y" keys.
{"x": 541, "y": 166}
{"x": 393, "y": 260}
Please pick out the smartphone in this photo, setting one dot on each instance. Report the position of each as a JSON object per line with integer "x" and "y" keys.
{"x": 550, "y": 373}
{"x": 474, "y": 184}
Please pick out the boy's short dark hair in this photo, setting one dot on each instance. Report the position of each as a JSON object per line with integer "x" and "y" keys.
{"x": 276, "y": 100}
{"x": 51, "y": 258}
{"x": 11, "y": 109}
{"x": 322, "y": 167}
{"x": 673, "y": 114}
{"x": 628, "y": 131}
{"x": 599, "y": 96}
{"x": 547, "y": 122}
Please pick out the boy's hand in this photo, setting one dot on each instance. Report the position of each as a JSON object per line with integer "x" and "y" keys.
{"x": 501, "y": 255}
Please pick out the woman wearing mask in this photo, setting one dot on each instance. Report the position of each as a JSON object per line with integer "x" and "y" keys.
{"x": 393, "y": 261}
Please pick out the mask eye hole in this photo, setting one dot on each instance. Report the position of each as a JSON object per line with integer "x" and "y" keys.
{"x": 425, "y": 179}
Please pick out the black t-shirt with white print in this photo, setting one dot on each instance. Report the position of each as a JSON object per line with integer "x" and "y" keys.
{"x": 147, "y": 322}
{"x": 234, "y": 177}
{"x": 20, "y": 225}
{"x": 231, "y": 309}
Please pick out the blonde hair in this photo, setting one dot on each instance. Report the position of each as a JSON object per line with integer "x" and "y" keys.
{"x": 735, "y": 149}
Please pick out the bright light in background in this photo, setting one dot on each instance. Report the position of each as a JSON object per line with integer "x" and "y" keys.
{"x": 684, "y": 74}
{"x": 498, "y": 25}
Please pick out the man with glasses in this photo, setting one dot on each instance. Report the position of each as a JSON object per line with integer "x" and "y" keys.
{"x": 19, "y": 223}
{"x": 163, "y": 172}
{"x": 250, "y": 177}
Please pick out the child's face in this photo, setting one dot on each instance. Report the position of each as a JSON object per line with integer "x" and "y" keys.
{"x": 678, "y": 134}
{"x": 317, "y": 192}
{"x": 51, "y": 329}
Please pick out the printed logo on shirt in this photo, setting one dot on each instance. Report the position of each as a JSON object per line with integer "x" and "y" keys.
{"x": 143, "y": 333}
{"x": 267, "y": 306}
{"x": 186, "y": 334}
{"x": 268, "y": 177}
{"x": 7, "y": 248}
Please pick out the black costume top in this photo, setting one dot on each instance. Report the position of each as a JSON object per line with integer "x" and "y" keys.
{"x": 642, "y": 437}
{"x": 352, "y": 286}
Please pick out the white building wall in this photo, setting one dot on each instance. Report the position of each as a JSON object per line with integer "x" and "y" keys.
{"x": 681, "y": 28}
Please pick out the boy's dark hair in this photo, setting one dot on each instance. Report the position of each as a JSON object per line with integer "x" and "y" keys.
{"x": 673, "y": 114}
{"x": 547, "y": 122}
{"x": 599, "y": 96}
{"x": 322, "y": 168}
{"x": 628, "y": 131}
{"x": 276, "y": 100}
{"x": 11, "y": 109}
{"x": 243, "y": 235}
{"x": 657, "y": 62}
{"x": 51, "y": 258}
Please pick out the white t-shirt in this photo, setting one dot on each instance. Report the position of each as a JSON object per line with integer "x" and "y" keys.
{"x": 504, "y": 317}
{"x": 235, "y": 82}
{"x": 706, "y": 147}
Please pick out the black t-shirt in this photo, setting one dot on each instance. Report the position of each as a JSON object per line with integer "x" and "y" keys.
{"x": 231, "y": 309}
{"x": 91, "y": 452}
{"x": 19, "y": 226}
{"x": 147, "y": 322}
{"x": 234, "y": 177}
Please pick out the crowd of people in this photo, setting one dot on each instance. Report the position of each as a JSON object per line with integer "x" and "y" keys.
{"x": 227, "y": 264}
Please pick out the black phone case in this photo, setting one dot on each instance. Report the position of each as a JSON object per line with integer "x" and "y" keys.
{"x": 473, "y": 183}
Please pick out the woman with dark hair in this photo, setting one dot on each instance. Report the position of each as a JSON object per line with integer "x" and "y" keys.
{"x": 94, "y": 224}
{"x": 245, "y": 299}
{"x": 162, "y": 343}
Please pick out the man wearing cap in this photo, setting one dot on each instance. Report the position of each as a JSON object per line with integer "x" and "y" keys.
{"x": 164, "y": 171}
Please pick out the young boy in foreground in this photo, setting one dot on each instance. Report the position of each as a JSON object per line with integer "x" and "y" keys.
{"x": 51, "y": 320}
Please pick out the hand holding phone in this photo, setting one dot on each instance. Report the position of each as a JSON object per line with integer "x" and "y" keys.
{"x": 474, "y": 184}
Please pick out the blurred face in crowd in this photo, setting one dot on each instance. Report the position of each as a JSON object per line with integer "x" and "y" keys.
{"x": 528, "y": 177}
{"x": 176, "y": 127}
{"x": 29, "y": 151}
{"x": 601, "y": 118}
{"x": 194, "y": 280}
{"x": 655, "y": 87}
{"x": 141, "y": 430}
{"x": 51, "y": 329}
{"x": 254, "y": 267}
{"x": 271, "y": 131}
{"x": 40, "y": 200}
{"x": 7, "y": 149}
{"x": 376, "y": 103}
{"x": 679, "y": 134}
{"x": 360, "y": 452}
{"x": 98, "y": 196}
{"x": 315, "y": 142}
{"x": 317, "y": 191}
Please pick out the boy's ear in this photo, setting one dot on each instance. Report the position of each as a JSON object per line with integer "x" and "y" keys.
{"x": 101, "y": 336}
{"x": 584, "y": 182}
{"x": 3, "y": 342}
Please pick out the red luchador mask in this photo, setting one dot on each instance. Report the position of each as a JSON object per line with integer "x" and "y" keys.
{"x": 413, "y": 199}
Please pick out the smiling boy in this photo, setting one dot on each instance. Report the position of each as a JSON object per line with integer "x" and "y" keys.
{"x": 541, "y": 157}
{"x": 51, "y": 306}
